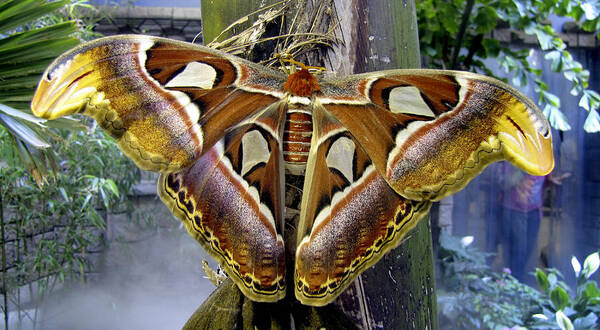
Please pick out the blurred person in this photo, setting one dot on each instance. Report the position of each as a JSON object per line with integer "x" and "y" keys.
{"x": 520, "y": 215}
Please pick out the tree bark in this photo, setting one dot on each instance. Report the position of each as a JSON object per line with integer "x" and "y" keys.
{"x": 399, "y": 291}
{"x": 219, "y": 14}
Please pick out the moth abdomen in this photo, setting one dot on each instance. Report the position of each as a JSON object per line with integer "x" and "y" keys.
{"x": 297, "y": 137}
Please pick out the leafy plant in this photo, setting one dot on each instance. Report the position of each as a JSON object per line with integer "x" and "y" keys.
{"x": 47, "y": 233}
{"x": 472, "y": 296}
{"x": 32, "y": 34}
{"x": 456, "y": 35}
{"x": 563, "y": 309}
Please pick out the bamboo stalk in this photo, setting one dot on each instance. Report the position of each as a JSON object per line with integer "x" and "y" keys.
{"x": 3, "y": 249}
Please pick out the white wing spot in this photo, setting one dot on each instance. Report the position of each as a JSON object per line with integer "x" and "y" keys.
{"x": 408, "y": 100}
{"x": 340, "y": 157}
{"x": 255, "y": 150}
{"x": 195, "y": 74}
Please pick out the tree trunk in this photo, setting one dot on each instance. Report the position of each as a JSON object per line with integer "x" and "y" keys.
{"x": 219, "y": 14}
{"x": 399, "y": 292}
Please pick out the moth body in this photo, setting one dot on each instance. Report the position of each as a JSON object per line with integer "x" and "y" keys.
{"x": 297, "y": 136}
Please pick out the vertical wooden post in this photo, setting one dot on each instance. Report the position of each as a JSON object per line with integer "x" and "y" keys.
{"x": 219, "y": 14}
{"x": 399, "y": 291}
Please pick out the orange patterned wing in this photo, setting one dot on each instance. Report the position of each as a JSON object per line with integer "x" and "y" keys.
{"x": 386, "y": 144}
{"x": 211, "y": 122}
{"x": 429, "y": 132}
{"x": 164, "y": 101}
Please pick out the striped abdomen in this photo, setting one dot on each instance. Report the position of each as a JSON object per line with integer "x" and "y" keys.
{"x": 296, "y": 138}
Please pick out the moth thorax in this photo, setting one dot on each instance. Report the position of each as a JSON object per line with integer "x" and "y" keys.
{"x": 302, "y": 83}
{"x": 296, "y": 139}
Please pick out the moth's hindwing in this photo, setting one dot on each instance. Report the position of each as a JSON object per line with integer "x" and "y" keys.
{"x": 429, "y": 132}
{"x": 228, "y": 206}
{"x": 350, "y": 216}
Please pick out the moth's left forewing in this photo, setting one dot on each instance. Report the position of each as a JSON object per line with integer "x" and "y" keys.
{"x": 429, "y": 132}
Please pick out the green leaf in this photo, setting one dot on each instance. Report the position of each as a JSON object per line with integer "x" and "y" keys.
{"x": 591, "y": 26}
{"x": 491, "y": 46}
{"x": 485, "y": 20}
{"x": 537, "y": 72}
{"x": 575, "y": 89}
{"x": 104, "y": 197}
{"x": 591, "y": 291}
{"x": 451, "y": 26}
{"x": 520, "y": 8}
{"x": 556, "y": 118}
{"x": 592, "y": 122}
{"x": 591, "y": 263}
{"x": 64, "y": 194}
{"x": 56, "y": 31}
{"x": 22, "y": 115}
{"x": 25, "y": 82}
{"x": 66, "y": 122}
{"x": 520, "y": 78}
{"x": 560, "y": 298}
{"x": 7, "y": 70}
{"x": 97, "y": 220}
{"x": 585, "y": 101}
{"x": 563, "y": 321}
{"x": 576, "y": 266}
{"x": 590, "y": 9}
{"x": 541, "y": 279}
{"x": 23, "y": 132}
{"x": 34, "y": 51}
{"x": 24, "y": 11}
{"x": 587, "y": 322}
{"x": 589, "y": 100}
{"x": 557, "y": 60}
{"x": 540, "y": 85}
{"x": 99, "y": 160}
{"x": 551, "y": 99}
{"x": 546, "y": 40}
{"x": 87, "y": 199}
{"x": 110, "y": 184}
{"x": 594, "y": 96}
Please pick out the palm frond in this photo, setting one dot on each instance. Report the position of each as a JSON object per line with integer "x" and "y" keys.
{"x": 26, "y": 49}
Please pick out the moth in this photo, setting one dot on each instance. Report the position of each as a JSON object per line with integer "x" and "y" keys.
{"x": 376, "y": 150}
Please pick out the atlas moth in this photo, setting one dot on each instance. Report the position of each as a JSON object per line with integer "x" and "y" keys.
{"x": 376, "y": 150}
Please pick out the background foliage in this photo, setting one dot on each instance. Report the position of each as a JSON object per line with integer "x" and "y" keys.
{"x": 472, "y": 296}
{"x": 30, "y": 38}
{"x": 465, "y": 40}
